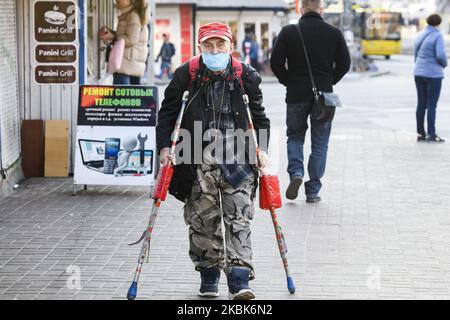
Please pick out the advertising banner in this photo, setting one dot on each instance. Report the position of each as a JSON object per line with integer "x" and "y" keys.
{"x": 116, "y": 137}
{"x": 55, "y": 42}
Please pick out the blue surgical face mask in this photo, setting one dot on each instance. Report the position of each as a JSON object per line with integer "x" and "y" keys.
{"x": 216, "y": 62}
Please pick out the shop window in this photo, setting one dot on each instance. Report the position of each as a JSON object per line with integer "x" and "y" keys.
{"x": 99, "y": 13}
{"x": 250, "y": 32}
{"x": 234, "y": 31}
{"x": 92, "y": 44}
{"x": 265, "y": 40}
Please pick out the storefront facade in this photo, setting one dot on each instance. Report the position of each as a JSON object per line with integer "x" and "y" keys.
{"x": 49, "y": 48}
{"x": 181, "y": 19}
{"x": 42, "y": 63}
{"x": 51, "y": 60}
{"x": 262, "y": 18}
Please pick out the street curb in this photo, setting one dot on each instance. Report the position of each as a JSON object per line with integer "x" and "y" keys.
{"x": 380, "y": 74}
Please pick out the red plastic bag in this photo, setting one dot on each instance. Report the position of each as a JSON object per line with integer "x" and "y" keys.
{"x": 269, "y": 193}
{"x": 162, "y": 183}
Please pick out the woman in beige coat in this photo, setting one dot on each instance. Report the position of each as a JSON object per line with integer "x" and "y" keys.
{"x": 132, "y": 27}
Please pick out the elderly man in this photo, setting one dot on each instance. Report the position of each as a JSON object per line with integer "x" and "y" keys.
{"x": 330, "y": 61}
{"x": 211, "y": 188}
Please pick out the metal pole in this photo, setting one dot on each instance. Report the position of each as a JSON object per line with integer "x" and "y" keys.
{"x": 1, "y": 159}
{"x": 151, "y": 58}
{"x": 347, "y": 28}
{"x": 348, "y": 16}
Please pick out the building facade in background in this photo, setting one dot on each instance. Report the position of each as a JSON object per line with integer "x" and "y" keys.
{"x": 263, "y": 18}
{"x": 180, "y": 19}
{"x": 175, "y": 18}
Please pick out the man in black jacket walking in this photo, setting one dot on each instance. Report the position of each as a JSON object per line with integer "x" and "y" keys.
{"x": 330, "y": 61}
{"x": 212, "y": 188}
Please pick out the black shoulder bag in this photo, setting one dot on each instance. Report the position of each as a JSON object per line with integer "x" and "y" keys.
{"x": 324, "y": 104}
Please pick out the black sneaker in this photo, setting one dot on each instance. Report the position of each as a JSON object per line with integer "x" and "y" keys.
{"x": 292, "y": 190}
{"x": 421, "y": 138}
{"x": 210, "y": 283}
{"x": 435, "y": 138}
{"x": 313, "y": 199}
{"x": 238, "y": 284}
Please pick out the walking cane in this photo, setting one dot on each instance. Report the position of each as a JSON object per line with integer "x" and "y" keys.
{"x": 159, "y": 195}
{"x": 270, "y": 199}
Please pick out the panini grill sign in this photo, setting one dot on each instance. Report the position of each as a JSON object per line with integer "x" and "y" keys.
{"x": 55, "y": 31}
{"x": 55, "y": 74}
{"x": 56, "y": 53}
{"x": 55, "y": 21}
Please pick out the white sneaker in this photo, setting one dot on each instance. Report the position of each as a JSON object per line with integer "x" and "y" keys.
{"x": 208, "y": 294}
{"x": 244, "y": 294}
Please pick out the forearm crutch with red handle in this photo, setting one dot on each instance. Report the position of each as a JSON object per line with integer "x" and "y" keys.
{"x": 159, "y": 195}
{"x": 270, "y": 199}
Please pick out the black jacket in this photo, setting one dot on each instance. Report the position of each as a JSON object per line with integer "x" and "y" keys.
{"x": 328, "y": 54}
{"x": 184, "y": 175}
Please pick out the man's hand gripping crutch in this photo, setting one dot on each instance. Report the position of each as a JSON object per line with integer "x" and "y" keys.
{"x": 270, "y": 197}
{"x": 159, "y": 195}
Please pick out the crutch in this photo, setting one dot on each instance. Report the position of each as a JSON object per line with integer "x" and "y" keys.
{"x": 159, "y": 195}
{"x": 270, "y": 199}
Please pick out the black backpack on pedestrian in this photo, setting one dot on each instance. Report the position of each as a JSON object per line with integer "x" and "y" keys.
{"x": 168, "y": 51}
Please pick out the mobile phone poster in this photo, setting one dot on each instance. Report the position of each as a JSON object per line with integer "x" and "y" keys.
{"x": 116, "y": 136}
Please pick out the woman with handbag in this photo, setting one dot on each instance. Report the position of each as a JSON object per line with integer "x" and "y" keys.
{"x": 131, "y": 38}
{"x": 431, "y": 59}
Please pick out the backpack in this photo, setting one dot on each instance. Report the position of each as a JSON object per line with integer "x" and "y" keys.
{"x": 168, "y": 51}
{"x": 236, "y": 66}
{"x": 172, "y": 49}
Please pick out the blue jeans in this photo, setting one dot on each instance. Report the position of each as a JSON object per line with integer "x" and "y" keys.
{"x": 297, "y": 125}
{"x": 166, "y": 67}
{"x": 428, "y": 92}
{"x": 126, "y": 80}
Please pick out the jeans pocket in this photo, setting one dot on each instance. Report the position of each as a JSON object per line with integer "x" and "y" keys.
{"x": 297, "y": 119}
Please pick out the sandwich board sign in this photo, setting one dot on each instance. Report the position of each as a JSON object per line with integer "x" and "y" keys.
{"x": 116, "y": 136}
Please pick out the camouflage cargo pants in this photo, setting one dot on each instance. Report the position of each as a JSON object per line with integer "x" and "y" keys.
{"x": 203, "y": 215}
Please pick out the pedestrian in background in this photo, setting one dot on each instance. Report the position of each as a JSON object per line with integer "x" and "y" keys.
{"x": 431, "y": 59}
{"x": 247, "y": 47}
{"x": 166, "y": 53}
{"x": 274, "y": 39}
{"x": 132, "y": 27}
{"x": 251, "y": 51}
{"x": 330, "y": 61}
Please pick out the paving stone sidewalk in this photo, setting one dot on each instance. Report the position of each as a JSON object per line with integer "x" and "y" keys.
{"x": 382, "y": 232}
